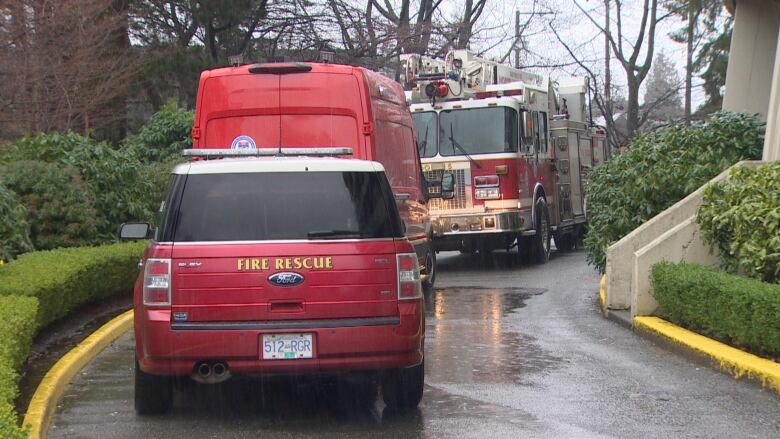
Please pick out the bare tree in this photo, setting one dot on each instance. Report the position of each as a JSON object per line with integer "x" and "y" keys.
{"x": 69, "y": 65}
{"x": 634, "y": 56}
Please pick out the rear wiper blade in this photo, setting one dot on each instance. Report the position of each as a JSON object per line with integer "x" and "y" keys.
{"x": 334, "y": 234}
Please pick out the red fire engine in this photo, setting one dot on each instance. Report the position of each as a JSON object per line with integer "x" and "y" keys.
{"x": 518, "y": 146}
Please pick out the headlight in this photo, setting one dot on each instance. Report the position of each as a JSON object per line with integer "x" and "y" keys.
{"x": 487, "y": 194}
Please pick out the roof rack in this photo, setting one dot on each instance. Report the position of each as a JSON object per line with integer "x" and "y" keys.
{"x": 264, "y": 152}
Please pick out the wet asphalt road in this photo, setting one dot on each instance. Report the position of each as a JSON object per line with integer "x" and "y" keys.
{"x": 510, "y": 352}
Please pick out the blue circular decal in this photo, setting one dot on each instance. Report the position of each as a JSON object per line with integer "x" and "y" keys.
{"x": 285, "y": 279}
{"x": 243, "y": 142}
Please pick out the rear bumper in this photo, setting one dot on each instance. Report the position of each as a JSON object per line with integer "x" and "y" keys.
{"x": 340, "y": 345}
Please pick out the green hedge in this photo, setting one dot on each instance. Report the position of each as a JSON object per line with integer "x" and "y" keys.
{"x": 17, "y": 328}
{"x": 659, "y": 169}
{"x": 40, "y": 287}
{"x": 737, "y": 310}
{"x": 741, "y": 217}
{"x": 66, "y": 278}
{"x": 14, "y": 228}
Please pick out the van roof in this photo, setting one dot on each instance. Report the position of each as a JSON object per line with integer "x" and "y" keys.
{"x": 315, "y": 68}
{"x": 277, "y": 164}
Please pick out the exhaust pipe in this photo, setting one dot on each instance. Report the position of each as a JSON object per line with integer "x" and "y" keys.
{"x": 211, "y": 373}
{"x": 220, "y": 370}
{"x": 204, "y": 370}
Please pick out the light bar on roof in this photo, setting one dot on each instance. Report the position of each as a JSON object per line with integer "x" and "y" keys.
{"x": 265, "y": 152}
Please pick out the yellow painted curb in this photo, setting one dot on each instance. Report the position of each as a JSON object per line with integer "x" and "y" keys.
{"x": 734, "y": 361}
{"x": 44, "y": 401}
{"x": 603, "y": 293}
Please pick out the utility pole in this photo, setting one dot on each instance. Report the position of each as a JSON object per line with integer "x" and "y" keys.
{"x": 517, "y": 39}
{"x": 607, "y": 49}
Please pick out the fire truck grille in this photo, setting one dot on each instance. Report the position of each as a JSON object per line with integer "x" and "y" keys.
{"x": 459, "y": 201}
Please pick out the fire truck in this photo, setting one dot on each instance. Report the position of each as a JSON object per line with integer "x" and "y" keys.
{"x": 518, "y": 146}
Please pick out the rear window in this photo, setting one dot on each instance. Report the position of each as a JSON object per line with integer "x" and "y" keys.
{"x": 280, "y": 206}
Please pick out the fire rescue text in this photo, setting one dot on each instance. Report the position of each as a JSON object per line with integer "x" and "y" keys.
{"x": 295, "y": 263}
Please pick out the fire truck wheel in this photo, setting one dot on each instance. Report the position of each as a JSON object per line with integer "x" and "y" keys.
{"x": 402, "y": 389}
{"x": 153, "y": 393}
{"x": 430, "y": 270}
{"x": 541, "y": 241}
{"x": 564, "y": 242}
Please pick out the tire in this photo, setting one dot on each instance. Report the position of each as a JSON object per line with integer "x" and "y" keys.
{"x": 540, "y": 246}
{"x": 402, "y": 389}
{"x": 564, "y": 242}
{"x": 357, "y": 391}
{"x": 430, "y": 270}
{"x": 153, "y": 393}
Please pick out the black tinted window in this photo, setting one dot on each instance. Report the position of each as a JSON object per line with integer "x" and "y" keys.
{"x": 425, "y": 125}
{"x": 478, "y": 131}
{"x": 284, "y": 205}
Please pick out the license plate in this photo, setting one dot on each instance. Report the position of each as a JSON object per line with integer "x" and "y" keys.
{"x": 287, "y": 346}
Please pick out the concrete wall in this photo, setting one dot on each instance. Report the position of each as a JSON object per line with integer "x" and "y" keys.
{"x": 772, "y": 140}
{"x": 752, "y": 56}
{"x": 681, "y": 243}
{"x": 671, "y": 235}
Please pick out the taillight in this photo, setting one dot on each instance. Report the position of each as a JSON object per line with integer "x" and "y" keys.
{"x": 157, "y": 282}
{"x": 409, "y": 286}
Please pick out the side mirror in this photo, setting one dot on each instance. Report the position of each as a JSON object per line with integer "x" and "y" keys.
{"x": 448, "y": 186}
{"x": 135, "y": 231}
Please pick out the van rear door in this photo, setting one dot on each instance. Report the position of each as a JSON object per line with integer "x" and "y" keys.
{"x": 283, "y": 245}
{"x": 328, "y": 105}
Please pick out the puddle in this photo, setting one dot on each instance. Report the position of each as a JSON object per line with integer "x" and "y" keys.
{"x": 467, "y": 342}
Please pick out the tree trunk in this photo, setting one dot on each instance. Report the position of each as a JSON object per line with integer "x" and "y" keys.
{"x": 691, "y": 31}
{"x": 632, "y": 118}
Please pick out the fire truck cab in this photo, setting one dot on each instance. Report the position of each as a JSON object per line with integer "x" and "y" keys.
{"x": 518, "y": 145}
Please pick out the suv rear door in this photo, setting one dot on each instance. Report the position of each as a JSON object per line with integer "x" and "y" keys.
{"x": 233, "y": 232}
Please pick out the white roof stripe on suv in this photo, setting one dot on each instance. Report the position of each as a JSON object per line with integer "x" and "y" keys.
{"x": 277, "y": 164}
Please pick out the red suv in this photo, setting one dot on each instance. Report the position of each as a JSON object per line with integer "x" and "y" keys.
{"x": 278, "y": 266}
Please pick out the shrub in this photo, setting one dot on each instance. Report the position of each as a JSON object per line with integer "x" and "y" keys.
{"x": 14, "y": 228}
{"x": 734, "y": 309}
{"x": 64, "y": 279}
{"x": 166, "y": 134}
{"x": 17, "y": 328}
{"x": 59, "y": 209}
{"x": 660, "y": 169}
{"x": 112, "y": 177}
{"x": 741, "y": 217}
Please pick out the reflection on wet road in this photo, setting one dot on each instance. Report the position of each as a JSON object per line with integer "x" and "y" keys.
{"x": 510, "y": 352}
{"x": 465, "y": 333}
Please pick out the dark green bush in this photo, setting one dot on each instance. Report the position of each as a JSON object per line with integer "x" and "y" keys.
{"x": 17, "y": 328}
{"x": 14, "y": 228}
{"x": 741, "y": 217}
{"x": 64, "y": 279}
{"x": 660, "y": 169}
{"x": 113, "y": 177}
{"x": 166, "y": 134}
{"x": 59, "y": 209}
{"x": 737, "y": 310}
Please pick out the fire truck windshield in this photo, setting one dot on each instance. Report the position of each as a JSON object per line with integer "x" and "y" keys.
{"x": 425, "y": 124}
{"x": 478, "y": 131}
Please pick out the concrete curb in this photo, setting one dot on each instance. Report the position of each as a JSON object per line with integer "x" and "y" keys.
{"x": 731, "y": 360}
{"x": 44, "y": 401}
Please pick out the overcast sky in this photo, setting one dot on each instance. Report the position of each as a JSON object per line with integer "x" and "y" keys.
{"x": 578, "y": 32}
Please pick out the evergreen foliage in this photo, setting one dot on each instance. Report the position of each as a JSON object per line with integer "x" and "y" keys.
{"x": 734, "y": 309}
{"x": 659, "y": 169}
{"x": 741, "y": 218}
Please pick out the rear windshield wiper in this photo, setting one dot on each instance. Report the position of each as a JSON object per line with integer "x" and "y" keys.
{"x": 325, "y": 234}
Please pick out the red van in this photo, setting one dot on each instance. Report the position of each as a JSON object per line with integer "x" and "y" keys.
{"x": 279, "y": 265}
{"x": 310, "y": 105}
